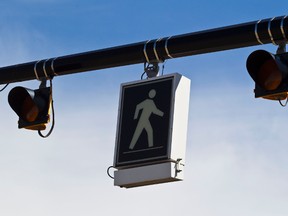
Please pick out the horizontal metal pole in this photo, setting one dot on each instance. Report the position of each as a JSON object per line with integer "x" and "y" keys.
{"x": 264, "y": 31}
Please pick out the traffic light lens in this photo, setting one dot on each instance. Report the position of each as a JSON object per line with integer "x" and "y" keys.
{"x": 269, "y": 77}
{"x": 29, "y": 110}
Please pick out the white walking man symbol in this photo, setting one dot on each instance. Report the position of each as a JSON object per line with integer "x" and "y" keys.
{"x": 148, "y": 107}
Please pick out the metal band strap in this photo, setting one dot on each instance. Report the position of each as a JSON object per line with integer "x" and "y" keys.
{"x": 256, "y": 32}
{"x": 166, "y": 47}
{"x": 155, "y": 50}
{"x": 145, "y": 53}
{"x": 52, "y": 67}
{"x": 282, "y": 28}
{"x": 269, "y": 31}
{"x": 44, "y": 69}
{"x": 35, "y": 70}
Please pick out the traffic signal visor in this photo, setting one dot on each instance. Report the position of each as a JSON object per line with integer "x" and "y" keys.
{"x": 32, "y": 107}
{"x": 269, "y": 73}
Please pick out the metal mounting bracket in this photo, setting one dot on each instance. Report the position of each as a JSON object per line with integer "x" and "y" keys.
{"x": 151, "y": 69}
{"x": 281, "y": 47}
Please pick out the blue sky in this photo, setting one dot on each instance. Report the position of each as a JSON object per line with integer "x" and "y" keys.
{"x": 236, "y": 159}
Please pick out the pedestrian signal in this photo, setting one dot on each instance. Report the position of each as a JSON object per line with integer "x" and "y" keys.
{"x": 148, "y": 108}
{"x": 32, "y": 107}
{"x": 151, "y": 131}
{"x": 270, "y": 73}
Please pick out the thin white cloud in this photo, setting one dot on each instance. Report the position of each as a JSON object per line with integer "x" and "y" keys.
{"x": 227, "y": 172}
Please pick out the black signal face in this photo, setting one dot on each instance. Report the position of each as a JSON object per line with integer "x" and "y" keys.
{"x": 32, "y": 107}
{"x": 269, "y": 72}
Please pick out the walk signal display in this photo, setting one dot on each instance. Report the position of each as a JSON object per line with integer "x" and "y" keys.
{"x": 152, "y": 131}
{"x": 144, "y": 121}
{"x": 146, "y": 117}
{"x": 32, "y": 107}
{"x": 270, "y": 73}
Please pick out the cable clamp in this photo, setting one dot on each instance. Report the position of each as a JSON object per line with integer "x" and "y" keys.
{"x": 177, "y": 166}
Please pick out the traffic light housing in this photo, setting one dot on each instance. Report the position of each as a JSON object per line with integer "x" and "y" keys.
{"x": 32, "y": 107}
{"x": 270, "y": 73}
